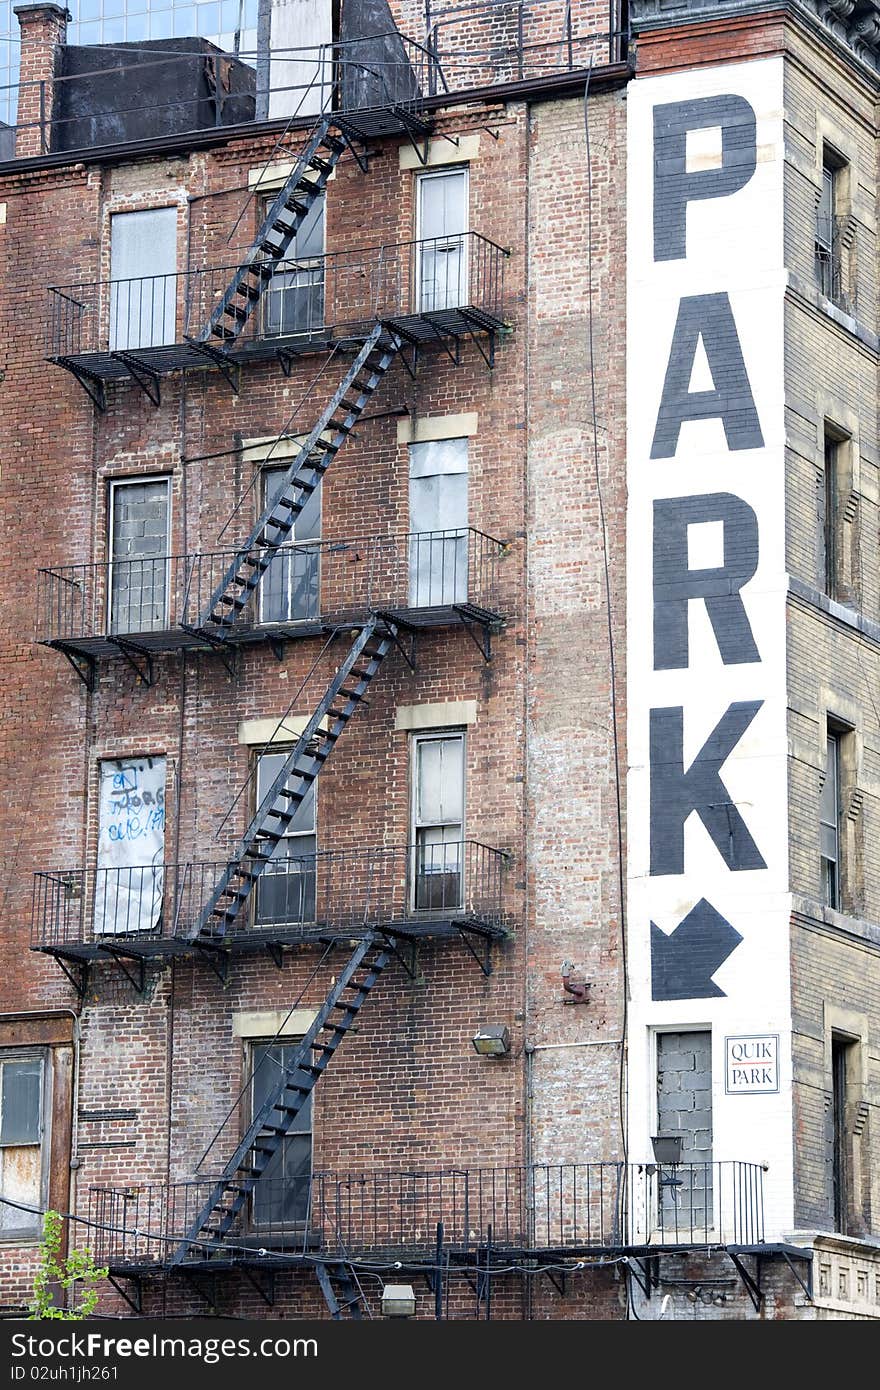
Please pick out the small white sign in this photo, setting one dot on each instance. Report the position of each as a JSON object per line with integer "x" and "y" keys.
{"x": 751, "y": 1064}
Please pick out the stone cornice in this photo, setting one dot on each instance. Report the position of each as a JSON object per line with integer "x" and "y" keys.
{"x": 852, "y": 24}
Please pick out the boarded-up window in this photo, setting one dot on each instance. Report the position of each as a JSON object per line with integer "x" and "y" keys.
{"x": 438, "y": 504}
{"x": 143, "y": 280}
{"x": 139, "y": 555}
{"x": 438, "y": 806}
{"x": 21, "y": 1141}
{"x": 130, "y": 876}
{"x": 442, "y": 212}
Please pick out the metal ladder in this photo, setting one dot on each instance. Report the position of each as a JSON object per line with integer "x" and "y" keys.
{"x": 336, "y": 422}
{"x": 275, "y": 1118}
{"x": 342, "y": 1289}
{"x": 254, "y": 852}
{"x": 306, "y": 183}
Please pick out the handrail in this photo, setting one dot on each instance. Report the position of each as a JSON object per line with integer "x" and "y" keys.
{"x": 528, "y": 1209}
{"x": 349, "y": 889}
{"x": 284, "y": 263}
{"x": 305, "y": 581}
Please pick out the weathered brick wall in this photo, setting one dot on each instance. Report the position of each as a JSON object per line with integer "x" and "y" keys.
{"x": 573, "y": 864}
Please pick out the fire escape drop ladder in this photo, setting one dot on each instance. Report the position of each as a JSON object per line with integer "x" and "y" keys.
{"x": 275, "y": 1119}
{"x": 299, "y": 770}
{"x": 288, "y": 211}
{"x": 335, "y": 424}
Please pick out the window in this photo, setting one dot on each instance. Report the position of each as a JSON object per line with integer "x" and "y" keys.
{"x": 829, "y": 822}
{"x": 139, "y": 559}
{"x": 281, "y": 1194}
{"x": 829, "y": 276}
{"x": 143, "y": 275}
{"x": 441, "y": 227}
{"x": 684, "y": 1107}
{"x": 289, "y": 587}
{"x": 828, "y": 515}
{"x": 841, "y": 1059}
{"x": 294, "y": 298}
{"x": 438, "y": 816}
{"x": 286, "y": 888}
{"x": 438, "y": 504}
{"x": 23, "y": 1141}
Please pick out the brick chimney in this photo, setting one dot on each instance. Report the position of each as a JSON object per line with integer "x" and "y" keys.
{"x": 43, "y": 34}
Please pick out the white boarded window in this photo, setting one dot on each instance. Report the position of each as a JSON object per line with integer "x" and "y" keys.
{"x": 130, "y": 876}
{"x": 22, "y": 1133}
{"x": 441, "y": 227}
{"x": 438, "y": 518}
{"x": 143, "y": 288}
{"x": 438, "y": 820}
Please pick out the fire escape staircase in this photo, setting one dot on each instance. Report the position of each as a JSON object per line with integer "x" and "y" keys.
{"x": 342, "y": 1289}
{"x": 299, "y": 770}
{"x": 336, "y": 423}
{"x": 306, "y": 183}
{"x": 274, "y": 1120}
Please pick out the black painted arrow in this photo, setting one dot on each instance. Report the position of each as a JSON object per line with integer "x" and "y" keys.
{"x": 683, "y": 962}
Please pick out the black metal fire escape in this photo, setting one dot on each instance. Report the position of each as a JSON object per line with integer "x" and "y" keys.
{"x": 275, "y": 1118}
{"x": 335, "y": 424}
{"x": 306, "y": 182}
{"x": 299, "y": 770}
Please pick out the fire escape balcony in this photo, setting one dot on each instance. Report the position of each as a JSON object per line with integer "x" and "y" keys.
{"x": 440, "y": 289}
{"x": 139, "y": 608}
{"x": 545, "y": 1214}
{"x": 140, "y": 912}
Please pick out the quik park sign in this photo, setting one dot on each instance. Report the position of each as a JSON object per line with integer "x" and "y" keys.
{"x": 707, "y": 873}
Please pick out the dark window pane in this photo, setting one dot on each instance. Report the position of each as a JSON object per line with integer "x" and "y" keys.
{"x": 20, "y": 1102}
{"x": 282, "y": 1193}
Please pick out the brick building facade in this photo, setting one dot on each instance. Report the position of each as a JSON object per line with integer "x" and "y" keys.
{"x": 438, "y": 354}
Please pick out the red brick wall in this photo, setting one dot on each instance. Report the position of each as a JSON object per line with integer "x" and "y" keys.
{"x": 408, "y": 1088}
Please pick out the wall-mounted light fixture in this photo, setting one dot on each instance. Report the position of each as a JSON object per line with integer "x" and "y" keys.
{"x": 667, "y": 1148}
{"x": 492, "y": 1041}
{"x": 398, "y": 1301}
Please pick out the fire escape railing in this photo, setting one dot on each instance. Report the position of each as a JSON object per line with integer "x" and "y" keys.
{"x": 564, "y": 1209}
{"x": 346, "y": 891}
{"x": 308, "y": 582}
{"x": 323, "y": 297}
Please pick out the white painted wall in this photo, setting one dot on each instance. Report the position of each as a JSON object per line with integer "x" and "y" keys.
{"x": 735, "y": 245}
{"x": 303, "y": 25}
